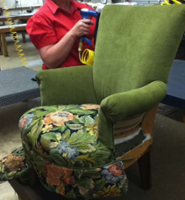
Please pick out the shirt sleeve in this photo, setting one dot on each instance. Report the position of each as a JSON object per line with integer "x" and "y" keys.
{"x": 41, "y": 31}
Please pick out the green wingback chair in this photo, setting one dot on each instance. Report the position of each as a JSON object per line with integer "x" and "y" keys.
{"x": 94, "y": 117}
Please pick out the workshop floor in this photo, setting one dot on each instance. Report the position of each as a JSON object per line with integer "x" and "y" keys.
{"x": 30, "y": 53}
{"x": 9, "y": 117}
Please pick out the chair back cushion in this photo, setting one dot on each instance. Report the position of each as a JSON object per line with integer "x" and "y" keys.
{"x": 135, "y": 46}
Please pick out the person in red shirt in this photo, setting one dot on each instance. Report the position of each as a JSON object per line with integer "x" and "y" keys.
{"x": 55, "y": 30}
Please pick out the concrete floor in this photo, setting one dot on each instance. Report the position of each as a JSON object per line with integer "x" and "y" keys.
{"x": 30, "y": 53}
{"x": 9, "y": 115}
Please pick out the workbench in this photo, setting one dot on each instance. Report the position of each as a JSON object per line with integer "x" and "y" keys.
{"x": 16, "y": 85}
{"x": 23, "y": 16}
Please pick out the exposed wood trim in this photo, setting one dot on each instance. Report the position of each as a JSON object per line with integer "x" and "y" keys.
{"x": 23, "y": 8}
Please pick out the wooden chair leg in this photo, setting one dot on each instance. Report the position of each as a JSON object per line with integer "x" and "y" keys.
{"x": 23, "y": 37}
{"x": 184, "y": 116}
{"x": 33, "y": 177}
{"x": 145, "y": 170}
{"x": 1, "y": 47}
{"x": 4, "y": 45}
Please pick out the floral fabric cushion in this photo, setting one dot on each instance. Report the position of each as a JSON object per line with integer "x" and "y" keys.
{"x": 107, "y": 181}
{"x": 66, "y": 135}
{"x": 61, "y": 143}
{"x": 14, "y": 165}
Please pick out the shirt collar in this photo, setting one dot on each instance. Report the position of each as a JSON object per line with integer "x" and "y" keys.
{"x": 53, "y": 7}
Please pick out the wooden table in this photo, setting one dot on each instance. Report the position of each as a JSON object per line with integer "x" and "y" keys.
{"x": 6, "y": 29}
{"x": 25, "y": 16}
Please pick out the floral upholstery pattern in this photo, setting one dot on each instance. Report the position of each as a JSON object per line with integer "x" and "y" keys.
{"x": 106, "y": 181}
{"x": 14, "y": 165}
{"x": 61, "y": 143}
{"x": 67, "y": 135}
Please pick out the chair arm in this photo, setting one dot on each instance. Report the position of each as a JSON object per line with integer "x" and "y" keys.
{"x": 119, "y": 106}
{"x": 122, "y": 105}
{"x": 72, "y": 85}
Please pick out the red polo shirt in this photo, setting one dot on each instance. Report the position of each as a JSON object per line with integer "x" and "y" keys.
{"x": 50, "y": 23}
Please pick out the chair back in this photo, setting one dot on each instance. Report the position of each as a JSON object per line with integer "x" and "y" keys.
{"x": 135, "y": 46}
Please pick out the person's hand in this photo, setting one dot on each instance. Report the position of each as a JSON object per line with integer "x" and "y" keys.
{"x": 81, "y": 28}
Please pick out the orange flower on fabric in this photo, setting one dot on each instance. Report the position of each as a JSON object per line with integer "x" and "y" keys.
{"x": 116, "y": 170}
{"x": 13, "y": 162}
{"x": 58, "y": 176}
{"x": 90, "y": 106}
{"x": 61, "y": 189}
{"x": 58, "y": 118}
{"x": 23, "y": 122}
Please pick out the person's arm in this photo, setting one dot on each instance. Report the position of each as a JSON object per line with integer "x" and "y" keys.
{"x": 54, "y": 55}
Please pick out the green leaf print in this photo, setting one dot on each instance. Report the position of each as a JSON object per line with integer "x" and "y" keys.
{"x": 54, "y": 154}
{"x": 39, "y": 162}
{"x": 50, "y": 109}
{"x": 34, "y": 122}
{"x": 84, "y": 148}
{"x": 101, "y": 157}
{"x": 46, "y": 140}
{"x": 67, "y": 107}
{"x": 86, "y": 160}
{"x": 99, "y": 184}
{"x": 85, "y": 183}
{"x": 74, "y": 126}
{"x": 82, "y": 112}
{"x": 39, "y": 113}
{"x": 35, "y": 132}
{"x": 61, "y": 128}
{"x": 66, "y": 135}
{"x": 93, "y": 173}
{"x": 86, "y": 120}
{"x": 70, "y": 194}
{"x": 81, "y": 137}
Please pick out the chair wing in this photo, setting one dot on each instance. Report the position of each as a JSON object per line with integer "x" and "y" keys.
{"x": 136, "y": 45}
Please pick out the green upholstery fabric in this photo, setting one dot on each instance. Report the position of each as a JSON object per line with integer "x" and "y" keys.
{"x": 72, "y": 147}
{"x": 72, "y": 85}
{"x": 119, "y": 106}
{"x": 134, "y": 53}
{"x": 135, "y": 46}
{"x": 146, "y": 97}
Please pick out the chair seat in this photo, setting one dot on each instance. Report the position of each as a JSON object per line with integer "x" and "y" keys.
{"x": 61, "y": 143}
{"x": 66, "y": 135}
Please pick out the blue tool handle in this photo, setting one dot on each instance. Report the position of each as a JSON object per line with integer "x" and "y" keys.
{"x": 85, "y": 13}
{"x": 86, "y": 40}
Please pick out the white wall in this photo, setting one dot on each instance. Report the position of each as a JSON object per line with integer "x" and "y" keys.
{"x": 23, "y": 3}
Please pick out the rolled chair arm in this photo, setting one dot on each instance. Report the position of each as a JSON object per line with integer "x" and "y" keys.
{"x": 117, "y": 107}
{"x": 72, "y": 85}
